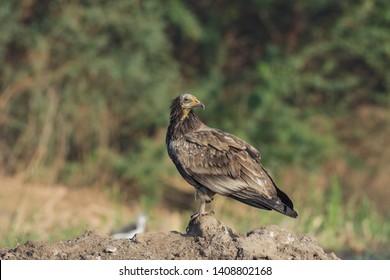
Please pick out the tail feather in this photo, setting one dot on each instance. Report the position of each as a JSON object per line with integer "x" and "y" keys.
{"x": 282, "y": 204}
{"x": 287, "y": 203}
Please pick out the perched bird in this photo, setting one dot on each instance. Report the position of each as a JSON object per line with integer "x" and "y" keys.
{"x": 216, "y": 162}
{"x": 132, "y": 229}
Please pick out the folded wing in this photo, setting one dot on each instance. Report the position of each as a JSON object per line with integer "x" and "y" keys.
{"x": 231, "y": 167}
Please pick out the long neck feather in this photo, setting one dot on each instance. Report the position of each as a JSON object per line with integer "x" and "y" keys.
{"x": 177, "y": 124}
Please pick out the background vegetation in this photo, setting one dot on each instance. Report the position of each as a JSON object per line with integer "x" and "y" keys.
{"x": 85, "y": 88}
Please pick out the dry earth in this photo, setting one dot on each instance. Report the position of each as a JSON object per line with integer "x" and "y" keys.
{"x": 205, "y": 238}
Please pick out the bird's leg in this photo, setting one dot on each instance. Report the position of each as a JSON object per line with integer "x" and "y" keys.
{"x": 204, "y": 198}
{"x": 202, "y": 209}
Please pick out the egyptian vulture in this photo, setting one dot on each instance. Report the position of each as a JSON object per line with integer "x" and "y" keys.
{"x": 216, "y": 162}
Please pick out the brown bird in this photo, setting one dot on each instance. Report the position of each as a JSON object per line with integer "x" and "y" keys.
{"x": 216, "y": 162}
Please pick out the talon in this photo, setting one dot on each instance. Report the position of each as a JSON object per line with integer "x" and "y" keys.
{"x": 198, "y": 214}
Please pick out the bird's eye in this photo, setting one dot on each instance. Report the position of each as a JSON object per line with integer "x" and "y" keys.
{"x": 187, "y": 99}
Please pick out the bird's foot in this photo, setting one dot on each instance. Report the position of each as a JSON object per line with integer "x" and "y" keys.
{"x": 199, "y": 214}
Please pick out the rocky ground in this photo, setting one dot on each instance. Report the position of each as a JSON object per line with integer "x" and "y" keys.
{"x": 205, "y": 238}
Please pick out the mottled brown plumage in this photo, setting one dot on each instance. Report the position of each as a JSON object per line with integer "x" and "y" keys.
{"x": 214, "y": 161}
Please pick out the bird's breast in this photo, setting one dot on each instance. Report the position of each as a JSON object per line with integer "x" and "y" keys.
{"x": 175, "y": 148}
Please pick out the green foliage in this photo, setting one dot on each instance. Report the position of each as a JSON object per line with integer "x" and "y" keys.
{"x": 334, "y": 204}
{"x": 87, "y": 81}
{"x": 86, "y": 85}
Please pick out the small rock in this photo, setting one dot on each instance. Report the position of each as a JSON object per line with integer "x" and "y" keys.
{"x": 110, "y": 249}
{"x": 207, "y": 226}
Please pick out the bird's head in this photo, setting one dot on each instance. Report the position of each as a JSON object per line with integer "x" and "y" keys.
{"x": 187, "y": 102}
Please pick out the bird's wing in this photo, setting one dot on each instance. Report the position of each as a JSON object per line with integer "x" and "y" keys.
{"x": 227, "y": 165}
{"x": 221, "y": 140}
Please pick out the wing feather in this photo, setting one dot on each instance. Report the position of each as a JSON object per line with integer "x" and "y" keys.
{"x": 227, "y": 165}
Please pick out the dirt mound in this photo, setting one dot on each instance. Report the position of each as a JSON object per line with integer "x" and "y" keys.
{"x": 206, "y": 238}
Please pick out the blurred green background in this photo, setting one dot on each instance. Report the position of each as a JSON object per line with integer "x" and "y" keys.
{"x": 85, "y": 88}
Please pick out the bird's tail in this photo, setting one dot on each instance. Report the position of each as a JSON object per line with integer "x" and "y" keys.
{"x": 281, "y": 203}
{"x": 287, "y": 207}
{"x": 284, "y": 209}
